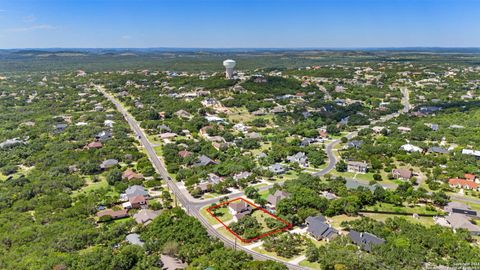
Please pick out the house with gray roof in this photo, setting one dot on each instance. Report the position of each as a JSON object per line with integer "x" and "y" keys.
{"x": 461, "y": 221}
{"x": 204, "y": 161}
{"x": 300, "y": 158}
{"x": 239, "y": 209}
{"x": 279, "y": 195}
{"x": 109, "y": 163}
{"x": 136, "y": 190}
{"x": 437, "y": 150}
{"x": 319, "y": 229}
{"x": 365, "y": 240}
{"x": 145, "y": 216}
{"x": 134, "y": 239}
{"x": 277, "y": 168}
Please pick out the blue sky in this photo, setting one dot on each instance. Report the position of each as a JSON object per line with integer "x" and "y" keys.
{"x": 239, "y": 23}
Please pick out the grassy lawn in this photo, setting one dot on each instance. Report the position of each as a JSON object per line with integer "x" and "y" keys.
{"x": 312, "y": 265}
{"x": 261, "y": 217}
{"x": 264, "y": 194}
{"x": 337, "y": 220}
{"x": 260, "y": 185}
{"x": 90, "y": 185}
{"x": 426, "y": 221}
{"x": 158, "y": 150}
{"x": 401, "y": 209}
{"x": 222, "y": 213}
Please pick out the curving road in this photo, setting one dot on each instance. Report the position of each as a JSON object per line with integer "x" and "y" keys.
{"x": 192, "y": 208}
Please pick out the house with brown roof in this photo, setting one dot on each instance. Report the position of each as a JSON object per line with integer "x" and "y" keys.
{"x": 137, "y": 202}
{"x": 129, "y": 175}
{"x": 113, "y": 214}
{"x": 402, "y": 174}
{"x": 94, "y": 145}
{"x": 184, "y": 153}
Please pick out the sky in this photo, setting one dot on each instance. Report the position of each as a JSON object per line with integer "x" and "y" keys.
{"x": 239, "y": 23}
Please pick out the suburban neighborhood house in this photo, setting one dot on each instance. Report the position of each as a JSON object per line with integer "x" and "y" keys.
{"x": 319, "y": 229}
{"x": 469, "y": 182}
{"x": 239, "y": 209}
{"x": 357, "y": 167}
{"x": 365, "y": 240}
{"x": 402, "y": 174}
{"x": 276, "y": 197}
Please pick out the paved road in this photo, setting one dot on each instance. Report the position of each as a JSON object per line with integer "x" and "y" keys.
{"x": 332, "y": 158}
{"x": 191, "y": 208}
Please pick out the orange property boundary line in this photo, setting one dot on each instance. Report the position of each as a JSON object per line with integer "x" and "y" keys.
{"x": 255, "y": 207}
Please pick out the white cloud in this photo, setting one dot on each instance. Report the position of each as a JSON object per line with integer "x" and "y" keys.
{"x": 33, "y": 28}
{"x": 126, "y": 37}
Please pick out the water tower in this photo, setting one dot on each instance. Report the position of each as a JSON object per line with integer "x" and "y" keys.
{"x": 229, "y": 64}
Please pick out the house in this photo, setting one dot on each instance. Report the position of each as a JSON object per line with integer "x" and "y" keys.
{"x": 378, "y": 129}
{"x": 277, "y": 109}
{"x": 277, "y": 168}
{"x": 183, "y": 114}
{"x": 184, "y": 153}
{"x": 276, "y": 197}
{"x": 104, "y": 136}
{"x": 214, "y": 179}
{"x": 253, "y": 135}
{"x": 404, "y": 129}
{"x": 365, "y": 240}
{"x": 328, "y": 195}
{"x": 11, "y": 143}
{"x": 94, "y": 145}
{"x": 471, "y": 152}
{"x": 437, "y": 150}
{"x": 463, "y": 183}
{"x": 460, "y": 221}
{"x": 319, "y": 229}
{"x": 204, "y": 161}
{"x": 402, "y": 174}
{"x": 167, "y": 135}
{"x": 109, "y": 163}
{"x": 357, "y": 166}
{"x": 145, "y": 216}
{"x": 113, "y": 214}
{"x": 239, "y": 209}
{"x": 172, "y": 263}
{"x": 59, "y": 127}
{"x": 134, "y": 239}
{"x": 410, "y": 148}
{"x": 129, "y": 175}
{"x": 242, "y": 175}
{"x": 135, "y": 190}
{"x": 137, "y": 202}
{"x": 108, "y": 123}
{"x": 354, "y": 144}
{"x": 300, "y": 158}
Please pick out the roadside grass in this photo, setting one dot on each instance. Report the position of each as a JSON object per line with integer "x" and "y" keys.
{"x": 312, "y": 265}
{"x": 261, "y": 250}
{"x": 222, "y": 213}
